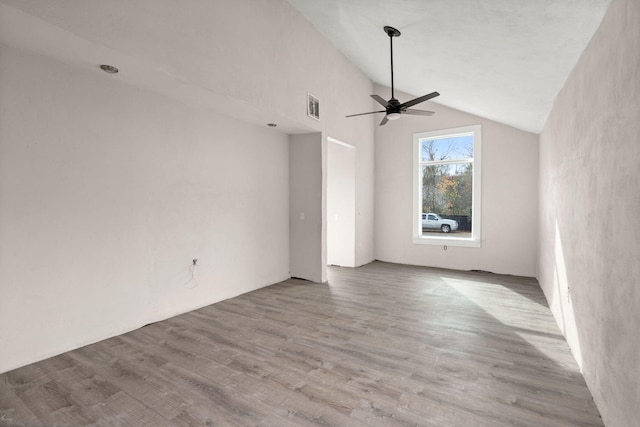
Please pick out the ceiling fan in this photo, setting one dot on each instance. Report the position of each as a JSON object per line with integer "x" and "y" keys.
{"x": 393, "y": 107}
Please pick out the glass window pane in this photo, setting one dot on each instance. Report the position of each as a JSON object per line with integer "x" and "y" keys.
{"x": 447, "y": 164}
{"x": 447, "y": 192}
{"x": 454, "y": 148}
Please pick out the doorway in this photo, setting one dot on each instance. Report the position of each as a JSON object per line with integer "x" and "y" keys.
{"x": 341, "y": 205}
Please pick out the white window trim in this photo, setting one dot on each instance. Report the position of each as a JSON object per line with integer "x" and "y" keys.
{"x": 475, "y": 239}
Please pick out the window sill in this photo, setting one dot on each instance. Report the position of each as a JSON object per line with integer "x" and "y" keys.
{"x": 469, "y": 242}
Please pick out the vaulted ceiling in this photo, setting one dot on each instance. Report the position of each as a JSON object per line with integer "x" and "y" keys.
{"x": 505, "y": 60}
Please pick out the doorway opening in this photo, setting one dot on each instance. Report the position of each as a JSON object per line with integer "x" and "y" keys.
{"x": 341, "y": 205}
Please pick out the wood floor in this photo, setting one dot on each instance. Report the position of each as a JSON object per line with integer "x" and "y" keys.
{"x": 380, "y": 345}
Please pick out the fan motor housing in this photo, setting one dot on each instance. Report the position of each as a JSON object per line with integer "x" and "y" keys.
{"x": 392, "y": 32}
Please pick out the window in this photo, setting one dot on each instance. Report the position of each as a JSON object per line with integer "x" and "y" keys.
{"x": 447, "y": 186}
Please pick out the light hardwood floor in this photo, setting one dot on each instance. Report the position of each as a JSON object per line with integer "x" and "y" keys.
{"x": 380, "y": 345}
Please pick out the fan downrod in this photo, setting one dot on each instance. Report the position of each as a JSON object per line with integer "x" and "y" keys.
{"x": 394, "y": 108}
{"x": 391, "y": 32}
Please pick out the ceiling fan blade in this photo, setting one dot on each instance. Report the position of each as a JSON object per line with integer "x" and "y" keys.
{"x": 371, "y": 112}
{"x": 384, "y": 121}
{"x": 380, "y": 100}
{"x": 418, "y": 100}
{"x": 418, "y": 112}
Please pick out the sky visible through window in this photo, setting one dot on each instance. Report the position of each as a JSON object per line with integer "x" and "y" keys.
{"x": 454, "y": 148}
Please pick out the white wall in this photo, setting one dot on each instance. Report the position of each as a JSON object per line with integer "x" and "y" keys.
{"x": 589, "y": 261}
{"x": 107, "y": 193}
{"x": 509, "y": 194}
{"x": 148, "y": 168}
{"x": 255, "y": 60}
{"x": 306, "y": 207}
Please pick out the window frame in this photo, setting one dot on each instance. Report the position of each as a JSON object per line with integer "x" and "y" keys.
{"x": 476, "y": 205}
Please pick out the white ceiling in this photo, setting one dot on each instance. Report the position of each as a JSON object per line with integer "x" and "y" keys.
{"x": 505, "y": 60}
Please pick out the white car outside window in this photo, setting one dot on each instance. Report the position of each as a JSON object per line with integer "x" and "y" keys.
{"x": 432, "y": 221}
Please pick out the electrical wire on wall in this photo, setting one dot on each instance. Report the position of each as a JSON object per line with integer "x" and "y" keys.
{"x": 193, "y": 281}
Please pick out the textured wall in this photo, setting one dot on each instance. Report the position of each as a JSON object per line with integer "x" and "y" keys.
{"x": 222, "y": 184}
{"x": 107, "y": 193}
{"x": 305, "y": 207}
{"x": 252, "y": 60}
{"x": 589, "y": 263}
{"x": 509, "y": 195}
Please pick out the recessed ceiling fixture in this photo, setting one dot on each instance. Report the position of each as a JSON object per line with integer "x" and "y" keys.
{"x": 393, "y": 107}
{"x": 272, "y": 125}
{"x": 109, "y": 69}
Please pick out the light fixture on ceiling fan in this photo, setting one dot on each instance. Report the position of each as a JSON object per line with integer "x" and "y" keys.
{"x": 393, "y": 108}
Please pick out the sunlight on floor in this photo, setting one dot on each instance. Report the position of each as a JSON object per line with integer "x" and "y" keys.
{"x": 491, "y": 297}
